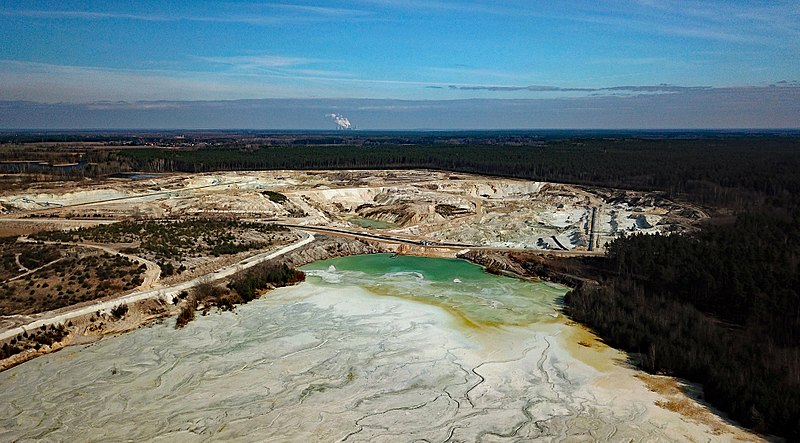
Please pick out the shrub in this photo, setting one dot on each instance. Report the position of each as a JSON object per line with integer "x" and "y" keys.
{"x": 185, "y": 316}
{"x": 119, "y": 311}
{"x": 263, "y": 276}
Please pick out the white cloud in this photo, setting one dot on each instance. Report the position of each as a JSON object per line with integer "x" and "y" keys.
{"x": 80, "y": 84}
{"x": 260, "y": 61}
{"x": 767, "y": 107}
{"x": 43, "y": 82}
{"x": 719, "y": 20}
{"x": 321, "y": 10}
{"x": 49, "y": 83}
{"x": 270, "y": 15}
{"x": 86, "y": 15}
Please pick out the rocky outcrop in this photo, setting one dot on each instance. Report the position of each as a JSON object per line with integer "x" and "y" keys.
{"x": 494, "y": 262}
{"x": 329, "y": 247}
{"x": 527, "y": 265}
{"x": 400, "y": 214}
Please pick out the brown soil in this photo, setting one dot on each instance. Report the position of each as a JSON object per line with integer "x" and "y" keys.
{"x": 685, "y": 399}
{"x": 80, "y": 275}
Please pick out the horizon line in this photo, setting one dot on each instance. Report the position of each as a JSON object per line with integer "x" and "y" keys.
{"x": 5, "y": 131}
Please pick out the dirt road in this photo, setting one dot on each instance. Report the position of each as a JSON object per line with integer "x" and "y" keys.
{"x": 165, "y": 293}
{"x": 166, "y": 193}
{"x": 150, "y": 275}
{"x": 386, "y": 238}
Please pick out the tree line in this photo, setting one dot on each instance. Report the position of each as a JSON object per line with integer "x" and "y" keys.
{"x": 245, "y": 286}
{"x": 720, "y": 307}
{"x": 735, "y": 172}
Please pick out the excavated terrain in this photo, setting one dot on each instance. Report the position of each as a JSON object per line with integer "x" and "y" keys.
{"x": 472, "y": 356}
{"x": 423, "y": 205}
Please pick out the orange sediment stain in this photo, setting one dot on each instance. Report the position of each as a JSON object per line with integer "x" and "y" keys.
{"x": 585, "y": 346}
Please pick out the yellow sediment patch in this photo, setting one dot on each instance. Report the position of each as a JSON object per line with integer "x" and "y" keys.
{"x": 587, "y": 347}
{"x": 463, "y": 317}
{"x": 676, "y": 400}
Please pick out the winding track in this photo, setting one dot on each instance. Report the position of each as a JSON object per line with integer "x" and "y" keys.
{"x": 134, "y": 197}
{"x": 150, "y": 276}
{"x": 165, "y": 293}
{"x": 430, "y": 244}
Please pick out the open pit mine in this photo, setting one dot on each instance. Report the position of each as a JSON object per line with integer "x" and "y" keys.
{"x": 435, "y": 208}
{"x": 378, "y": 347}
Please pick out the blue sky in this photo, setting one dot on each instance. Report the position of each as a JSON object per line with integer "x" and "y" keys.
{"x": 581, "y": 51}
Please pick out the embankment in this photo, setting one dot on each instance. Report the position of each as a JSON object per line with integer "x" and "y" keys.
{"x": 327, "y": 246}
{"x": 94, "y": 325}
{"x": 533, "y": 266}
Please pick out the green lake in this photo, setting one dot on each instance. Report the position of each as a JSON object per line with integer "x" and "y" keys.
{"x": 464, "y": 289}
{"x": 368, "y": 348}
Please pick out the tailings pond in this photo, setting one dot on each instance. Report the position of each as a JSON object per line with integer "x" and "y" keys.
{"x": 369, "y": 348}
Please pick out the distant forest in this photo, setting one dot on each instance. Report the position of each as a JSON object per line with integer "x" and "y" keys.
{"x": 733, "y": 172}
{"x": 720, "y": 306}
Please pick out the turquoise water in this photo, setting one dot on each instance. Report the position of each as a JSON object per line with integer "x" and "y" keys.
{"x": 464, "y": 289}
{"x": 361, "y": 351}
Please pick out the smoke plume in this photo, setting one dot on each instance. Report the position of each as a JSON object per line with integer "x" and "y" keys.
{"x": 341, "y": 121}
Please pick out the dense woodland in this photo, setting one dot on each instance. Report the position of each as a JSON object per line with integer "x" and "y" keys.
{"x": 728, "y": 171}
{"x": 720, "y": 306}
